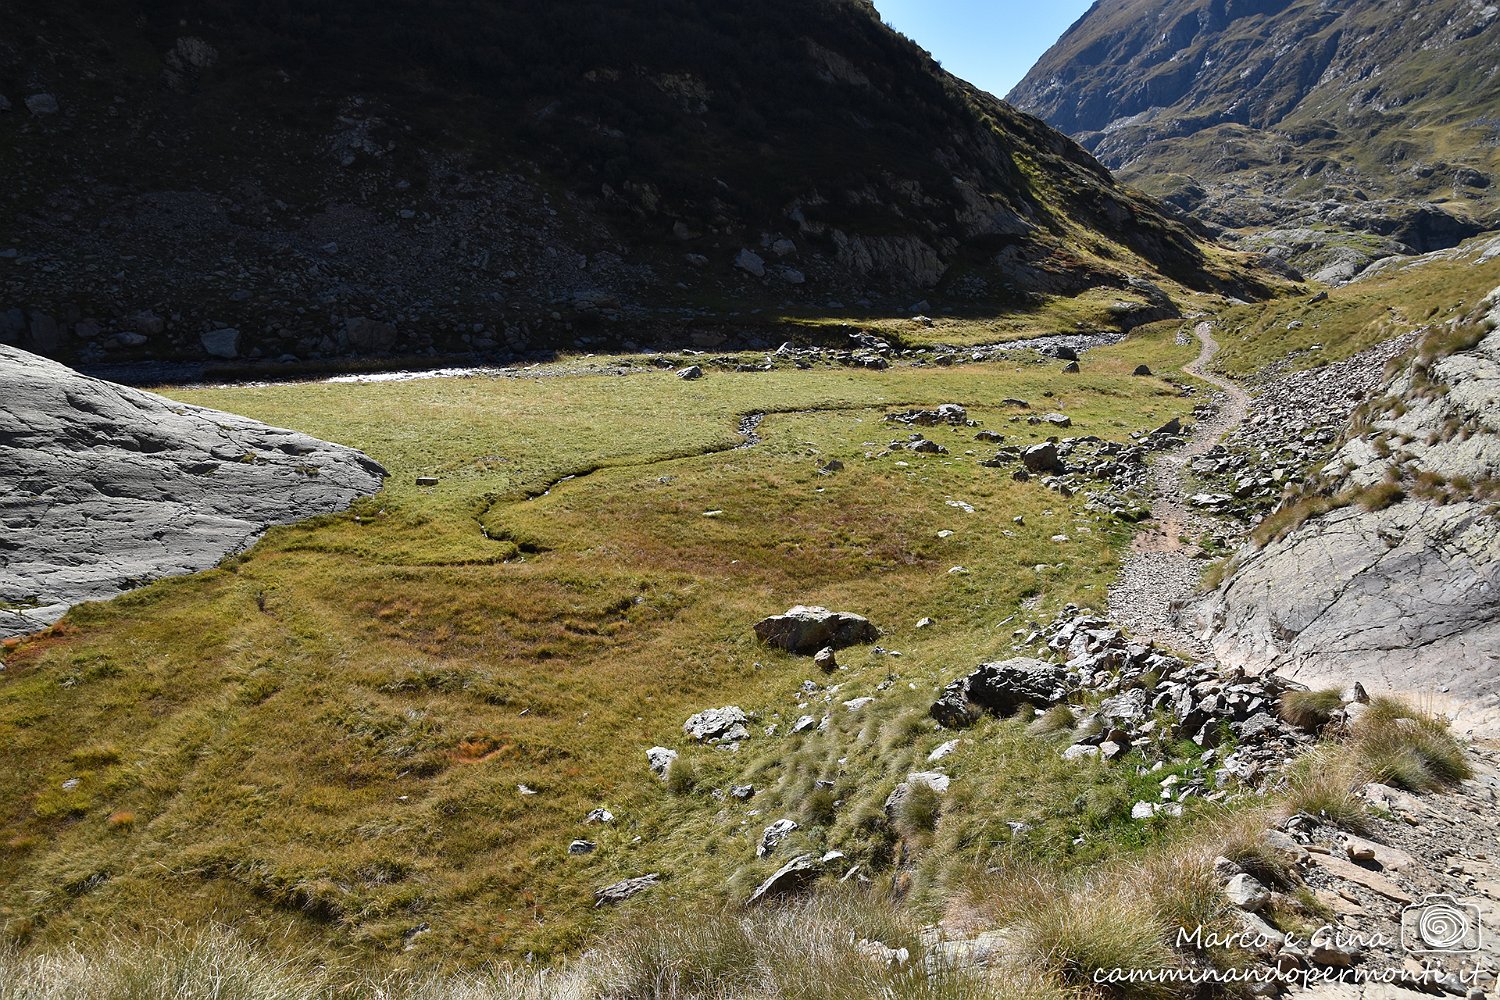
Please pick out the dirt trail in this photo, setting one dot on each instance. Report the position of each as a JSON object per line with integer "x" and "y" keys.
{"x": 1160, "y": 572}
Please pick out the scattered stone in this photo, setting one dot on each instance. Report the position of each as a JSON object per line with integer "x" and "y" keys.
{"x": 621, "y": 891}
{"x": 751, "y": 263}
{"x": 600, "y": 815}
{"x": 774, "y": 835}
{"x": 427, "y": 480}
{"x": 942, "y": 751}
{"x": 792, "y": 876}
{"x": 690, "y": 373}
{"x": 1071, "y": 368}
{"x": 1248, "y": 894}
{"x": 42, "y": 105}
{"x": 742, "y": 792}
{"x": 660, "y": 759}
{"x": 825, "y": 661}
{"x": 579, "y": 847}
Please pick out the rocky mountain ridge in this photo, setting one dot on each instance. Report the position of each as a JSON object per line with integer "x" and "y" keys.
{"x": 1365, "y": 117}
{"x": 230, "y": 183}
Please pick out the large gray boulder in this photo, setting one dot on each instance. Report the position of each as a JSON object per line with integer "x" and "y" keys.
{"x": 104, "y": 488}
{"x": 807, "y": 630}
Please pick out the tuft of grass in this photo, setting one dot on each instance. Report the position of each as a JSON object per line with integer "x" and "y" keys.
{"x": 1093, "y": 928}
{"x": 1241, "y": 837}
{"x": 1311, "y": 710}
{"x": 1409, "y": 748}
{"x": 1323, "y": 785}
{"x": 920, "y": 811}
{"x": 1057, "y": 719}
{"x": 681, "y": 777}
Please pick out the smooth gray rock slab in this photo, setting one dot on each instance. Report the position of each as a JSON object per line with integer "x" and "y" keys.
{"x": 104, "y": 488}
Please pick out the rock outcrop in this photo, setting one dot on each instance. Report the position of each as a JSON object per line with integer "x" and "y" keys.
{"x": 105, "y": 488}
{"x": 1398, "y": 579}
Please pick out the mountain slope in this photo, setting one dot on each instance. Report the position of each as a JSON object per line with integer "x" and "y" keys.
{"x": 1364, "y": 115}
{"x": 327, "y": 177}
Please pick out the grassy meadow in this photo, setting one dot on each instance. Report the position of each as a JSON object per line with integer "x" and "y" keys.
{"x": 331, "y": 730}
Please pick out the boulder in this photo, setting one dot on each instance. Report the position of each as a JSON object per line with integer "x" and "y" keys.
{"x": 224, "y": 343}
{"x": 1043, "y": 458}
{"x": 1000, "y": 688}
{"x": 807, "y": 630}
{"x": 42, "y": 105}
{"x": 108, "y": 488}
{"x": 690, "y": 373}
{"x": 726, "y": 725}
{"x": 751, "y": 263}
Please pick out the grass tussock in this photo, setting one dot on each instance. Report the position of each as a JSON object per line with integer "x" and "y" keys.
{"x": 1324, "y": 784}
{"x": 1409, "y": 748}
{"x": 1311, "y": 710}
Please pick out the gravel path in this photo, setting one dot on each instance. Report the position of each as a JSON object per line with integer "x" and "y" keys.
{"x": 1161, "y": 573}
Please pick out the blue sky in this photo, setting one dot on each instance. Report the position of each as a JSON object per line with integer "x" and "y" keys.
{"x": 990, "y": 43}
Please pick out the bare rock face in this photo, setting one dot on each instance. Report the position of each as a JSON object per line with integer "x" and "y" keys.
{"x": 105, "y": 488}
{"x": 1404, "y": 592}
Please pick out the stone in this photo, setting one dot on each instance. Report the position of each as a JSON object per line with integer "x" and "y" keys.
{"x": 796, "y": 874}
{"x": 1142, "y": 811}
{"x": 660, "y": 759}
{"x": 223, "y": 343}
{"x": 1141, "y": 370}
{"x": 122, "y": 487}
{"x": 1247, "y": 893}
{"x": 855, "y": 704}
{"x": 621, "y": 891}
{"x": 804, "y": 723}
{"x": 1071, "y": 368}
{"x": 727, "y": 725}
{"x": 427, "y": 480}
{"x": 825, "y": 661}
{"x": 600, "y": 815}
{"x": 580, "y": 847}
{"x": 1367, "y": 852}
{"x": 751, "y": 263}
{"x": 882, "y": 954}
{"x": 690, "y": 373}
{"x": 742, "y": 792}
{"x": 1350, "y": 872}
{"x": 942, "y": 751}
{"x": 774, "y": 835}
{"x": 42, "y": 105}
{"x": 806, "y": 630}
{"x": 1058, "y": 420}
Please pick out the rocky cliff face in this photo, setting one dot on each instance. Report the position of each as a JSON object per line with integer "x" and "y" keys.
{"x": 331, "y": 178}
{"x": 104, "y": 488}
{"x": 1363, "y": 115}
{"x": 1388, "y": 570}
